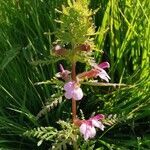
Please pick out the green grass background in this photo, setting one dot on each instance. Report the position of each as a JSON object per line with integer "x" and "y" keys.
{"x": 124, "y": 36}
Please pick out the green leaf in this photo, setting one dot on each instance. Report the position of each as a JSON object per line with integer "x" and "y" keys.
{"x": 9, "y": 56}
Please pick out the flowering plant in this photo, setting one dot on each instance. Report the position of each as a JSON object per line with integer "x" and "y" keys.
{"x": 76, "y": 30}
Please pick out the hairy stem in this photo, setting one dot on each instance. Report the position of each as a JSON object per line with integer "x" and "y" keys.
{"x": 73, "y": 75}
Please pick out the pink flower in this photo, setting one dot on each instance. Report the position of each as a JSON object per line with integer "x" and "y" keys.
{"x": 87, "y": 128}
{"x": 73, "y": 91}
{"x": 64, "y": 74}
{"x": 97, "y": 71}
{"x": 101, "y": 72}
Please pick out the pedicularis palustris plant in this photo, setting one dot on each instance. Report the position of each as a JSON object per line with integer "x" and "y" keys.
{"x": 77, "y": 31}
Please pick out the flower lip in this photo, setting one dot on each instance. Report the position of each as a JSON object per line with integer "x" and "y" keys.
{"x": 102, "y": 73}
{"x": 69, "y": 86}
{"x": 87, "y": 131}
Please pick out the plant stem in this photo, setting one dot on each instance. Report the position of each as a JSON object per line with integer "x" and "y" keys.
{"x": 73, "y": 75}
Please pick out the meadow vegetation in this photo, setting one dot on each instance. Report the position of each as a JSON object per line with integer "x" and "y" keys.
{"x": 31, "y": 98}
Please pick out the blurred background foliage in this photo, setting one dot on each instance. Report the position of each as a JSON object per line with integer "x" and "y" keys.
{"x": 25, "y": 37}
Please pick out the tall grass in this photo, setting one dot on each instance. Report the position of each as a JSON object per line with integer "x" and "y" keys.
{"x": 124, "y": 30}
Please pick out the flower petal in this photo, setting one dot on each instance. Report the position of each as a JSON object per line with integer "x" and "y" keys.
{"x": 68, "y": 86}
{"x": 101, "y": 126}
{"x": 77, "y": 94}
{"x": 87, "y": 131}
{"x": 95, "y": 123}
{"x": 104, "y": 65}
{"x": 68, "y": 95}
{"x": 73, "y": 91}
{"x": 90, "y": 132}
{"x": 93, "y": 132}
{"x": 98, "y": 124}
{"x": 98, "y": 117}
{"x": 103, "y": 75}
{"x": 83, "y": 128}
{"x": 61, "y": 68}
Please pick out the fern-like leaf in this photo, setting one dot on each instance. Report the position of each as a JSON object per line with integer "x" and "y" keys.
{"x": 68, "y": 135}
{"x": 111, "y": 120}
{"x": 54, "y": 80}
{"x": 42, "y": 133}
{"x": 48, "y": 61}
{"x": 54, "y": 101}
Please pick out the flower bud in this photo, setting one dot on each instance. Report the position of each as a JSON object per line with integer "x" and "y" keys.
{"x": 85, "y": 47}
{"x": 58, "y": 50}
{"x": 64, "y": 74}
